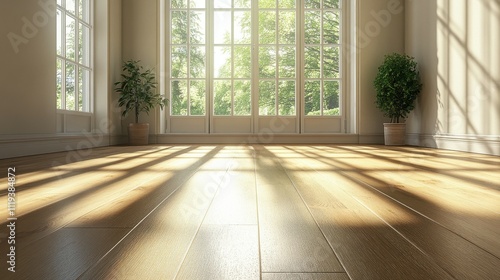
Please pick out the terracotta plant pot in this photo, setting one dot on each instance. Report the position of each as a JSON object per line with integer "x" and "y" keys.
{"x": 138, "y": 134}
{"x": 395, "y": 134}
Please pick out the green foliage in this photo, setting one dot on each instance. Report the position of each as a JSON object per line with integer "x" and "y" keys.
{"x": 137, "y": 90}
{"x": 397, "y": 85}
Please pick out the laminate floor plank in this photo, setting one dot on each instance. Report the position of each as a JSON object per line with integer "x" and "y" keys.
{"x": 156, "y": 248}
{"x": 64, "y": 254}
{"x": 289, "y": 237}
{"x": 223, "y": 252}
{"x": 305, "y": 276}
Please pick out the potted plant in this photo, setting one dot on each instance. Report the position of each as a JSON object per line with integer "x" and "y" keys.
{"x": 137, "y": 94}
{"x": 397, "y": 85}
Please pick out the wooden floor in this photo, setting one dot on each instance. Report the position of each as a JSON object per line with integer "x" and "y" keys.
{"x": 254, "y": 212}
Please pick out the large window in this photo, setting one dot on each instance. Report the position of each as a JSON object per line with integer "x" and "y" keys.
{"x": 74, "y": 45}
{"x": 257, "y": 59}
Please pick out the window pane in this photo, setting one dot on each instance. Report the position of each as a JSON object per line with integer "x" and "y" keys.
{"x": 179, "y": 98}
{"x": 331, "y": 98}
{"x": 84, "y": 45}
{"x": 286, "y": 28}
{"x": 267, "y": 98}
{"x": 71, "y": 6}
{"x": 331, "y": 28}
{"x": 70, "y": 86}
{"x": 312, "y": 98}
{"x": 197, "y": 98}
{"x": 287, "y": 62}
{"x": 267, "y": 27}
{"x": 267, "y": 4}
{"x": 222, "y": 98}
{"x": 267, "y": 62}
{"x": 59, "y": 83}
{"x": 59, "y": 31}
{"x": 286, "y": 98}
{"x": 59, "y": 2}
{"x": 83, "y": 90}
{"x": 197, "y": 3}
{"x": 222, "y": 62}
{"x": 242, "y": 98}
{"x": 70, "y": 38}
{"x": 312, "y": 4}
{"x": 83, "y": 8}
{"x": 312, "y": 62}
{"x": 179, "y": 62}
{"x": 286, "y": 3}
{"x": 331, "y": 62}
{"x": 242, "y": 28}
{"x": 331, "y": 4}
{"x": 242, "y": 3}
{"x": 197, "y": 62}
{"x": 177, "y": 4}
{"x": 222, "y": 27}
{"x": 179, "y": 27}
{"x": 242, "y": 62}
{"x": 197, "y": 21}
{"x": 222, "y": 4}
{"x": 312, "y": 27}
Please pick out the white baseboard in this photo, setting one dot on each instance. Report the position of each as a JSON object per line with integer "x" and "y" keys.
{"x": 25, "y": 145}
{"x": 487, "y": 144}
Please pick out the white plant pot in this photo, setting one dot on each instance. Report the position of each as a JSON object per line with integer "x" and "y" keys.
{"x": 138, "y": 134}
{"x": 395, "y": 134}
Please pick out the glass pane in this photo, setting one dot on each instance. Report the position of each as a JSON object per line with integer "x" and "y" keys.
{"x": 83, "y": 90}
{"x": 59, "y": 31}
{"x": 331, "y": 95}
{"x": 84, "y": 45}
{"x": 286, "y": 3}
{"x": 242, "y": 98}
{"x": 179, "y": 62}
{"x": 286, "y": 98}
{"x": 267, "y": 98}
{"x": 71, "y": 6}
{"x": 267, "y": 27}
{"x": 287, "y": 62}
{"x": 197, "y": 3}
{"x": 59, "y": 82}
{"x": 312, "y": 4}
{"x": 312, "y": 27}
{"x": 177, "y": 4}
{"x": 222, "y": 98}
{"x": 242, "y": 62}
{"x": 242, "y": 28}
{"x": 59, "y": 2}
{"x": 222, "y": 62}
{"x": 222, "y": 4}
{"x": 312, "y": 62}
{"x": 197, "y": 21}
{"x": 312, "y": 98}
{"x": 242, "y": 3}
{"x": 179, "y": 98}
{"x": 83, "y": 10}
{"x": 331, "y": 67}
{"x": 70, "y": 38}
{"x": 197, "y": 62}
{"x": 70, "y": 86}
{"x": 331, "y": 4}
{"x": 197, "y": 98}
{"x": 267, "y": 62}
{"x": 286, "y": 27}
{"x": 179, "y": 27}
{"x": 331, "y": 28}
{"x": 267, "y": 4}
{"x": 222, "y": 27}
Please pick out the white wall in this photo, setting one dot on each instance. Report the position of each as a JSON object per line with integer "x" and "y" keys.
{"x": 457, "y": 46}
